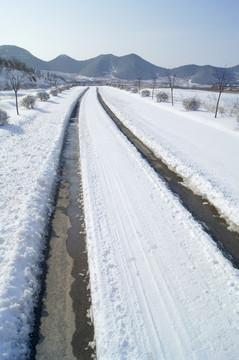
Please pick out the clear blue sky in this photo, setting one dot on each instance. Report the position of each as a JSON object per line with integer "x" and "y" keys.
{"x": 168, "y": 33}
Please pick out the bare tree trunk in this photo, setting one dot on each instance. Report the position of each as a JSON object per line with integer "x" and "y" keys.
{"x": 172, "y": 95}
{"x": 15, "y": 84}
{"x": 154, "y": 77}
{"x": 16, "y": 102}
{"x": 221, "y": 83}
{"x": 139, "y": 84}
{"x": 171, "y": 82}
{"x": 218, "y": 103}
{"x": 153, "y": 91}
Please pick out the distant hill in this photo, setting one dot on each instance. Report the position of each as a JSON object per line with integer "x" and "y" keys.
{"x": 128, "y": 67}
{"x": 12, "y": 51}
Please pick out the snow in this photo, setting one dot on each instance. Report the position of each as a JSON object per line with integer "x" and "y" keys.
{"x": 160, "y": 287}
{"x": 27, "y": 82}
{"x": 30, "y": 149}
{"x": 202, "y": 149}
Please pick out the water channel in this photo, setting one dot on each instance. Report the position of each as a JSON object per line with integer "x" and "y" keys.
{"x": 63, "y": 328}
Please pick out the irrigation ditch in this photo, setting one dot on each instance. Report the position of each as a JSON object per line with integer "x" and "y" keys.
{"x": 63, "y": 328}
{"x": 201, "y": 209}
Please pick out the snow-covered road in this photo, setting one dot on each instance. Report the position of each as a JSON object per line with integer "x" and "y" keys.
{"x": 160, "y": 287}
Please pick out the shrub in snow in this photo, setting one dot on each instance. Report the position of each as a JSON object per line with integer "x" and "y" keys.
{"x": 209, "y": 106}
{"x": 3, "y": 117}
{"x": 134, "y": 90}
{"x": 29, "y": 102}
{"x": 63, "y": 88}
{"x": 234, "y": 111}
{"x": 191, "y": 104}
{"x": 43, "y": 96}
{"x": 236, "y": 114}
{"x": 162, "y": 96}
{"x": 222, "y": 110}
{"x": 54, "y": 92}
{"x": 145, "y": 93}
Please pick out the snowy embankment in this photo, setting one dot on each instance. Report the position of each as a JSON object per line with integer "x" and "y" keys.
{"x": 30, "y": 148}
{"x": 160, "y": 287}
{"x": 202, "y": 149}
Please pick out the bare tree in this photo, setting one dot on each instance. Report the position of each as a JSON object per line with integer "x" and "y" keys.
{"x": 221, "y": 85}
{"x": 171, "y": 82}
{"x": 15, "y": 85}
{"x": 139, "y": 83}
{"x": 154, "y": 79}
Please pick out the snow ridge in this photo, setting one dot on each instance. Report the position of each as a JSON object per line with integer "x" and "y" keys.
{"x": 30, "y": 150}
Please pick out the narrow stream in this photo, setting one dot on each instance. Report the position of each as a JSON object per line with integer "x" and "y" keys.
{"x": 204, "y": 212}
{"x": 64, "y": 329}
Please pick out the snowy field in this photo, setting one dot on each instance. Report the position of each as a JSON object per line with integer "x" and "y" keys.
{"x": 160, "y": 287}
{"x": 202, "y": 149}
{"x": 29, "y": 152}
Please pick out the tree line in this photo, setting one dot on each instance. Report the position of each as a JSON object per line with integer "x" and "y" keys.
{"x": 15, "y": 64}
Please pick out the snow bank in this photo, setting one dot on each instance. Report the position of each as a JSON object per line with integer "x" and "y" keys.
{"x": 30, "y": 148}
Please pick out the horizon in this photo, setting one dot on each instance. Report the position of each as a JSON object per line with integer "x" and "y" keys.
{"x": 166, "y": 34}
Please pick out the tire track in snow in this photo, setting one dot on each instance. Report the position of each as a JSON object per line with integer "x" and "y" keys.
{"x": 182, "y": 330}
{"x": 149, "y": 262}
{"x": 113, "y": 288}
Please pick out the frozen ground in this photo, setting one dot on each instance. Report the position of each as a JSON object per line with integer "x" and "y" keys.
{"x": 30, "y": 147}
{"x": 160, "y": 287}
{"x": 202, "y": 149}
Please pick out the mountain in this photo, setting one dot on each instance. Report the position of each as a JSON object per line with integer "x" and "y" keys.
{"x": 125, "y": 67}
{"x": 206, "y": 75}
{"x": 15, "y": 52}
{"x": 128, "y": 67}
{"x": 63, "y": 63}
